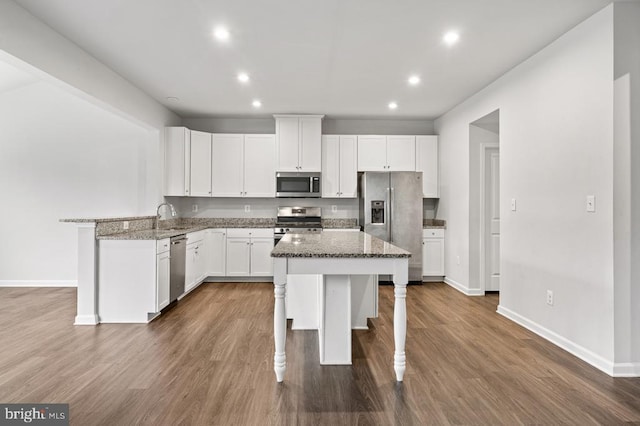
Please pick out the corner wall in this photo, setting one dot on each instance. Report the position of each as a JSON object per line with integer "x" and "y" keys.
{"x": 556, "y": 147}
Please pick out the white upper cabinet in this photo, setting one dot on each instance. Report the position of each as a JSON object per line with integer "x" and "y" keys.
{"x": 243, "y": 165}
{"x": 378, "y": 153}
{"x": 401, "y": 153}
{"x": 427, "y": 163}
{"x": 259, "y": 166}
{"x": 339, "y": 166}
{"x": 298, "y": 143}
{"x": 177, "y": 158}
{"x": 200, "y": 175}
{"x": 228, "y": 165}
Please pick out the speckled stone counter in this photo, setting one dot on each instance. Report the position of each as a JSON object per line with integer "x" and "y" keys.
{"x": 340, "y": 223}
{"x": 336, "y": 245}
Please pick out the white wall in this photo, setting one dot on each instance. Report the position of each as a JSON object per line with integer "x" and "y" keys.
{"x": 627, "y": 186}
{"x": 261, "y": 207}
{"x": 95, "y": 151}
{"x": 61, "y": 156}
{"x": 332, "y": 126}
{"x": 556, "y": 147}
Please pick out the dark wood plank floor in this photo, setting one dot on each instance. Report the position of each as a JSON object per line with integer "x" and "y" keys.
{"x": 209, "y": 361}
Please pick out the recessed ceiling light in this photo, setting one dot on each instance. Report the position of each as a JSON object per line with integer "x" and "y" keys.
{"x": 221, "y": 33}
{"x": 172, "y": 99}
{"x": 243, "y": 77}
{"x": 451, "y": 38}
{"x": 413, "y": 80}
{"x": 393, "y": 105}
{"x": 256, "y": 103}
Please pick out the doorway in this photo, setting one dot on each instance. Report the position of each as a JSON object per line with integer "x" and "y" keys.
{"x": 484, "y": 204}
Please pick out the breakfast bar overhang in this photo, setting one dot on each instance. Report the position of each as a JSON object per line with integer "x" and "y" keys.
{"x": 337, "y": 256}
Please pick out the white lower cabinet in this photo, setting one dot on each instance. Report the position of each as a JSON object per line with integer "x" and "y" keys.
{"x": 216, "y": 252}
{"x": 433, "y": 252}
{"x": 249, "y": 252}
{"x": 163, "y": 274}
{"x": 195, "y": 260}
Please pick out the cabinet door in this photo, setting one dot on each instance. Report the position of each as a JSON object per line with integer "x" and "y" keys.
{"x": 200, "y": 164}
{"x": 261, "y": 262}
{"x": 177, "y": 157}
{"x": 401, "y": 153}
{"x": 310, "y": 145}
{"x": 287, "y": 135}
{"x": 348, "y": 167}
{"x": 260, "y": 166}
{"x": 238, "y": 257}
{"x": 372, "y": 153}
{"x": 216, "y": 252}
{"x": 433, "y": 257}
{"x": 163, "y": 264}
{"x": 330, "y": 166}
{"x": 427, "y": 163}
{"x": 190, "y": 267}
{"x": 228, "y": 162}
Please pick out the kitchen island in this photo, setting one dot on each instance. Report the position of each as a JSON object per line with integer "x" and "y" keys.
{"x": 337, "y": 256}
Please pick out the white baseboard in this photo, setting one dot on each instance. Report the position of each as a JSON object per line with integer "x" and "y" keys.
{"x": 432, "y": 279}
{"x": 86, "y": 320}
{"x": 602, "y": 364}
{"x": 626, "y": 369}
{"x": 38, "y": 283}
{"x": 463, "y": 289}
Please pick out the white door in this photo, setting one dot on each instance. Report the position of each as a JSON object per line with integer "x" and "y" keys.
{"x": 492, "y": 219}
{"x": 259, "y": 166}
{"x": 372, "y": 153}
{"x": 261, "y": 261}
{"x": 427, "y": 163}
{"x": 348, "y": 166}
{"x": 330, "y": 166}
{"x": 190, "y": 267}
{"x": 401, "y": 153}
{"x": 287, "y": 138}
{"x": 310, "y": 146}
{"x": 226, "y": 174}
{"x": 216, "y": 253}
{"x": 200, "y": 164}
{"x": 238, "y": 257}
{"x": 163, "y": 262}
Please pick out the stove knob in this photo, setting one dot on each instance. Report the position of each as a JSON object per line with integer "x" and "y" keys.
{"x": 309, "y": 229}
{"x": 287, "y": 230}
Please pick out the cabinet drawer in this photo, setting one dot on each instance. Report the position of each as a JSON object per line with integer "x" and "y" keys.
{"x": 192, "y": 237}
{"x": 162, "y": 245}
{"x": 433, "y": 233}
{"x": 249, "y": 232}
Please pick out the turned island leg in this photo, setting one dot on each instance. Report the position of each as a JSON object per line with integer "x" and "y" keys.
{"x": 400, "y": 320}
{"x": 279, "y": 318}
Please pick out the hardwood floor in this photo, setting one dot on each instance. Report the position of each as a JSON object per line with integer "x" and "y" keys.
{"x": 209, "y": 361}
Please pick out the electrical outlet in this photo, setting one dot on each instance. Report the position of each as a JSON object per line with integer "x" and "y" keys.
{"x": 334, "y": 209}
{"x": 591, "y": 203}
{"x": 549, "y": 297}
{"x": 458, "y": 260}
{"x": 194, "y": 208}
{"x": 247, "y": 208}
{"x": 125, "y": 224}
{"x": 513, "y": 204}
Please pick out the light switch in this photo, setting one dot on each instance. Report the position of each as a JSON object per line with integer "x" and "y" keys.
{"x": 513, "y": 204}
{"x": 591, "y": 203}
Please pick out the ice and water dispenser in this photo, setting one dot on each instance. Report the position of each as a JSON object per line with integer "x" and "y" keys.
{"x": 377, "y": 212}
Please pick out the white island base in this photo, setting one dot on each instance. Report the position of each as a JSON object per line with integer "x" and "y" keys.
{"x": 334, "y": 330}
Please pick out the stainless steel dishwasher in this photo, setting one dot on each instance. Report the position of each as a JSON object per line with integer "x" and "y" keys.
{"x": 177, "y": 274}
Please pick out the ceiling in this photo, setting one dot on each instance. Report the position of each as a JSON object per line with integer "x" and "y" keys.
{"x": 343, "y": 58}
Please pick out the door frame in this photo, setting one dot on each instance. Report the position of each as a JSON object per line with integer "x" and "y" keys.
{"x": 484, "y": 147}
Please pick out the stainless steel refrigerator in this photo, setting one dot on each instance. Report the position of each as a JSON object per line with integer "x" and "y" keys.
{"x": 391, "y": 209}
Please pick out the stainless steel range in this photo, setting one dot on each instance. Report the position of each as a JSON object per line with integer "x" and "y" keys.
{"x": 308, "y": 219}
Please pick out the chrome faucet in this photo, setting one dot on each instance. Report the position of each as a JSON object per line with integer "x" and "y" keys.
{"x": 173, "y": 211}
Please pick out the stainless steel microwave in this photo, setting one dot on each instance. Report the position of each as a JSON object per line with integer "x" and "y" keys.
{"x": 297, "y": 185}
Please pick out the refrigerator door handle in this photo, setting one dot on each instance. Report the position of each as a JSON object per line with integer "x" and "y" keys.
{"x": 391, "y": 210}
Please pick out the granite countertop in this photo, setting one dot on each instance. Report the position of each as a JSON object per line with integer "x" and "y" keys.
{"x": 434, "y": 224}
{"x": 336, "y": 244}
{"x": 106, "y": 219}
